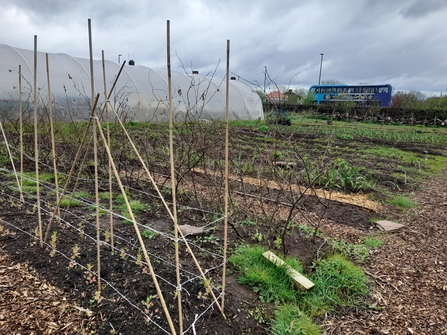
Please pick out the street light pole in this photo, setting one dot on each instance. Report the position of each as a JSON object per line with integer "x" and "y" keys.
{"x": 321, "y": 66}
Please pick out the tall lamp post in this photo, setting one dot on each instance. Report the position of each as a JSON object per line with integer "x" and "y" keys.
{"x": 321, "y": 66}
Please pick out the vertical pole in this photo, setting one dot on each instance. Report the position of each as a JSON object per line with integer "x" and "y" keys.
{"x": 53, "y": 146}
{"x": 21, "y": 132}
{"x": 95, "y": 157}
{"x": 321, "y": 66}
{"x": 36, "y": 143}
{"x": 108, "y": 143}
{"x": 174, "y": 200}
{"x": 227, "y": 104}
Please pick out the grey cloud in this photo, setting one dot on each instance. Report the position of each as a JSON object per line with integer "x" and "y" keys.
{"x": 421, "y": 8}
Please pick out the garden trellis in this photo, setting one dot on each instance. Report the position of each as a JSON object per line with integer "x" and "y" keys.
{"x": 55, "y": 220}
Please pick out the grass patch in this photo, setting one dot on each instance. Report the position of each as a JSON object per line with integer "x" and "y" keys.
{"x": 271, "y": 282}
{"x": 401, "y": 202}
{"x": 135, "y": 204}
{"x": 373, "y": 242}
{"x": 338, "y": 282}
{"x": 68, "y": 201}
{"x": 291, "y": 321}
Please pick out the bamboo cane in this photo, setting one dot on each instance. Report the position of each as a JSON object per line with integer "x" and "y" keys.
{"x": 167, "y": 208}
{"x": 78, "y": 153}
{"x": 95, "y": 156}
{"x": 10, "y": 157}
{"x": 174, "y": 198}
{"x": 137, "y": 231}
{"x": 21, "y": 133}
{"x": 109, "y": 164}
{"x": 36, "y": 143}
{"x": 53, "y": 145}
{"x": 227, "y": 94}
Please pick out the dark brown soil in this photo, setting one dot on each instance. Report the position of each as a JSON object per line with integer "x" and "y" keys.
{"x": 45, "y": 292}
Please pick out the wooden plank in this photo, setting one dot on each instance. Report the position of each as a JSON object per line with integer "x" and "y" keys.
{"x": 300, "y": 282}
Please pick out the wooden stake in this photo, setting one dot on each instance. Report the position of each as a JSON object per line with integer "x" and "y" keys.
{"x": 137, "y": 231}
{"x": 78, "y": 153}
{"x": 168, "y": 210}
{"x": 53, "y": 145}
{"x": 36, "y": 143}
{"x": 109, "y": 164}
{"x": 21, "y": 132}
{"x": 299, "y": 281}
{"x": 10, "y": 157}
{"x": 174, "y": 198}
{"x": 95, "y": 157}
{"x": 227, "y": 94}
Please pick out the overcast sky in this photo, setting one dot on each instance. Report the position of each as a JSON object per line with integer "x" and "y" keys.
{"x": 400, "y": 42}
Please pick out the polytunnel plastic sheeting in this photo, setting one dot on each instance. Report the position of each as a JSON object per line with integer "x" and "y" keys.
{"x": 140, "y": 93}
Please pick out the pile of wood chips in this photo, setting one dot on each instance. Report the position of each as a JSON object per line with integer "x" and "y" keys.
{"x": 408, "y": 273}
{"x": 29, "y": 305}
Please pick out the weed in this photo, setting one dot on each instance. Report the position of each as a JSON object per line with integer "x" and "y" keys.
{"x": 310, "y": 231}
{"x": 264, "y": 129}
{"x": 260, "y": 314}
{"x": 107, "y": 235}
{"x": 75, "y": 251}
{"x": 258, "y": 237}
{"x": 272, "y": 283}
{"x": 373, "y": 242}
{"x": 278, "y": 242}
{"x": 148, "y": 302}
{"x": 123, "y": 254}
{"x": 344, "y": 136}
{"x": 53, "y": 243}
{"x": 401, "y": 202}
{"x": 68, "y": 201}
{"x": 149, "y": 234}
{"x": 291, "y": 321}
{"x": 338, "y": 282}
{"x": 358, "y": 252}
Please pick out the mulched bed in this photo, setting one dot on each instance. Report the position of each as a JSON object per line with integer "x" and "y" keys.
{"x": 408, "y": 275}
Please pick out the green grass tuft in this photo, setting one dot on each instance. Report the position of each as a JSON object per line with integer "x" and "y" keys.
{"x": 402, "y": 202}
{"x": 271, "y": 282}
{"x": 338, "y": 282}
{"x": 291, "y": 321}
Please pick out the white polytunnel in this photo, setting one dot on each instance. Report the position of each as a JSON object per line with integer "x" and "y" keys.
{"x": 140, "y": 94}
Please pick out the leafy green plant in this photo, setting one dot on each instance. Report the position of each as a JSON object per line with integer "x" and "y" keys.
{"x": 277, "y": 154}
{"x": 342, "y": 175}
{"x": 357, "y": 252}
{"x": 344, "y": 136}
{"x": 135, "y": 204}
{"x": 264, "y": 129}
{"x": 149, "y": 234}
{"x": 68, "y": 201}
{"x": 373, "y": 242}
